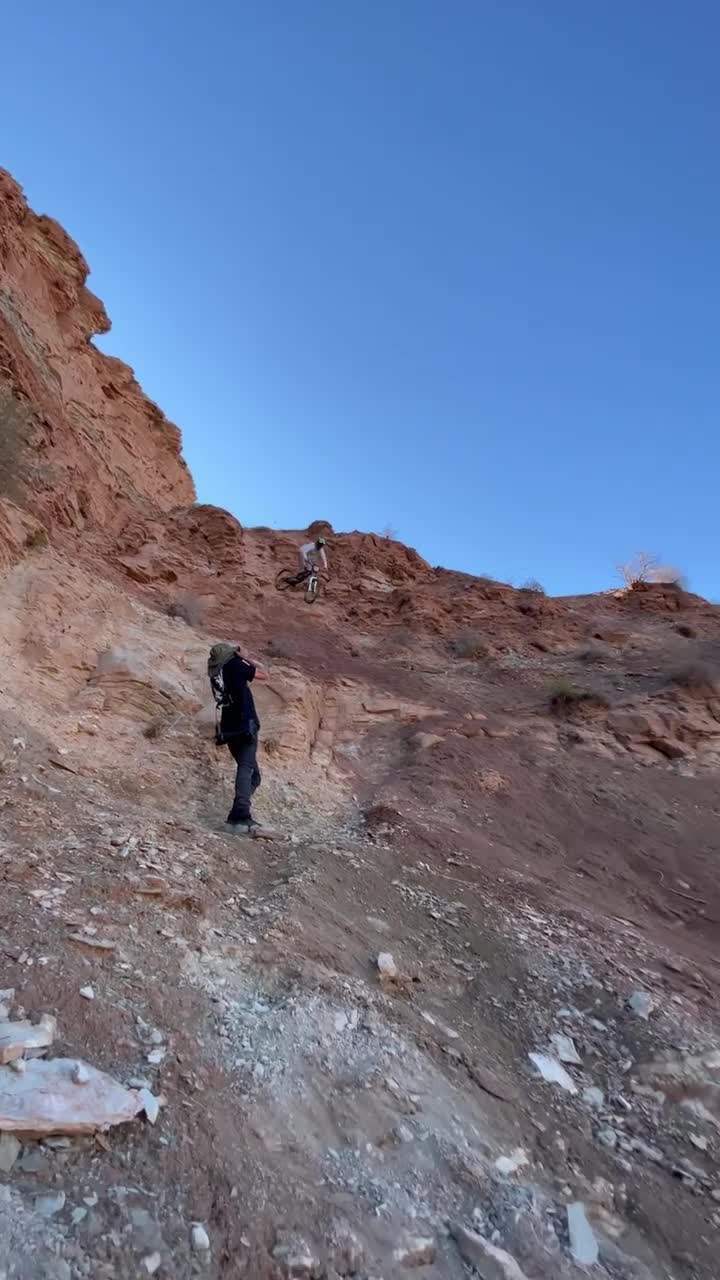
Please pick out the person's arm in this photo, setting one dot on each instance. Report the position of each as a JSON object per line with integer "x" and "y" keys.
{"x": 259, "y": 672}
{"x": 304, "y": 558}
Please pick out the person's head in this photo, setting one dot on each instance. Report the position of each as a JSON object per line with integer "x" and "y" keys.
{"x": 319, "y": 542}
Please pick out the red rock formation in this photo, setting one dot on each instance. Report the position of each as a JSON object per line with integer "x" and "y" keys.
{"x": 81, "y": 444}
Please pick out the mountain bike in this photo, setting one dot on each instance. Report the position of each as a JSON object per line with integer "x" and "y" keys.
{"x": 309, "y": 579}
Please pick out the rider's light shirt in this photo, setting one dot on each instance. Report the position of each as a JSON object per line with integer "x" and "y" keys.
{"x": 310, "y": 555}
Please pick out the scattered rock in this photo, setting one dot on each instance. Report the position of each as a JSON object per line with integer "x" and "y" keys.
{"x": 78, "y": 1215}
{"x": 298, "y": 1259}
{"x": 199, "y": 1238}
{"x": 608, "y": 1137}
{"x": 415, "y": 1251}
{"x": 156, "y": 1056}
{"x": 89, "y": 940}
{"x": 9, "y": 1151}
{"x": 6, "y": 1002}
{"x": 152, "y": 1262}
{"x": 594, "y": 1097}
{"x": 642, "y": 1004}
{"x": 552, "y": 1071}
{"x": 511, "y": 1164}
{"x": 87, "y": 993}
{"x": 583, "y": 1245}
{"x": 151, "y": 1104}
{"x": 45, "y": 1099}
{"x": 565, "y": 1049}
{"x": 491, "y": 1262}
{"x": 81, "y": 1073}
{"x": 20, "y": 1038}
{"x": 48, "y": 1206}
{"x": 699, "y": 1141}
{"x": 386, "y": 965}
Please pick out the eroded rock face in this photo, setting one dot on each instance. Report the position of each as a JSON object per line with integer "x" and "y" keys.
{"x": 80, "y": 442}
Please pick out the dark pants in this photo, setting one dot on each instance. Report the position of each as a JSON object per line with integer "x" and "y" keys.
{"x": 247, "y": 778}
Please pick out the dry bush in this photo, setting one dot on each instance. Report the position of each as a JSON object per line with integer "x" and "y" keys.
{"x": 593, "y": 654}
{"x": 189, "y": 608}
{"x": 532, "y": 585}
{"x": 37, "y": 540}
{"x": 684, "y": 629}
{"x": 565, "y": 697}
{"x": 389, "y": 533}
{"x": 470, "y": 645}
{"x": 695, "y": 677}
{"x": 646, "y": 568}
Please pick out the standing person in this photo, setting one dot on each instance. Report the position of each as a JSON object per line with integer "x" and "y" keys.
{"x": 312, "y": 554}
{"x": 231, "y": 675}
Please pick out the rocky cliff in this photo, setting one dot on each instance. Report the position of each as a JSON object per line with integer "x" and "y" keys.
{"x": 459, "y": 1016}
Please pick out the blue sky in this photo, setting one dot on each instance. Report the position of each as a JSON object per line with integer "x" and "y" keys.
{"x": 451, "y": 266}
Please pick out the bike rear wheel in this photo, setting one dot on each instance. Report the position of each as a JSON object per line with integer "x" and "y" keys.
{"x": 313, "y": 589}
{"x": 286, "y": 578}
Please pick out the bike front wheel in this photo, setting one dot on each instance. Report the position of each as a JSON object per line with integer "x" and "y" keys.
{"x": 286, "y": 578}
{"x": 313, "y": 589}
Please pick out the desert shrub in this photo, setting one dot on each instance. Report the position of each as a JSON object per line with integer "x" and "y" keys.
{"x": 37, "y": 539}
{"x": 153, "y": 729}
{"x": 684, "y": 629}
{"x": 532, "y": 585}
{"x": 645, "y": 568}
{"x": 593, "y": 654}
{"x": 565, "y": 697}
{"x": 469, "y": 644}
{"x": 695, "y": 677}
{"x": 189, "y": 608}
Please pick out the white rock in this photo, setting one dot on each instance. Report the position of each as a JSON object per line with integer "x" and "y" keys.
{"x": 583, "y": 1245}
{"x": 199, "y": 1238}
{"x": 415, "y": 1251}
{"x": 594, "y": 1097}
{"x": 552, "y": 1071}
{"x": 641, "y": 1003}
{"x": 386, "y": 965}
{"x": 152, "y": 1262}
{"x": 156, "y": 1056}
{"x": 87, "y": 993}
{"x": 80, "y": 1073}
{"x": 6, "y": 1001}
{"x": 48, "y": 1206}
{"x": 608, "y": 1137}
{"x": 565, "y": 1049}
{"x": 699, "y": 1141}
{"x": 486, "y": 1258}
{"x": 45, "y": 1099}
{"x": 9, "y": 1151}
{"x": 78, "y": 1215}
{"x": 151, "y": 1104}
{"x": 511, "y": 1164}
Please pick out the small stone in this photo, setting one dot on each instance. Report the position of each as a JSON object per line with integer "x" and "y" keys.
{"x": 80, "y": 1073}
{"x": 152, "y": 1262}
{"x": 151, "y": 1104}
{"x": 416, "y": 1251}
{"x": 641, "y": 1003}
{"x": 199, "y": 1238}
{"x": 156, "y": 1056}
{"x": 583, "y": 1245}
{"x": 510, "y": 1164}
{"x": 78, "y": 1215}
{"x": 715, "y": 1194}
{"x": 699, "y": 1141}
{"x": 156, "y": 1037}
{"x": 594, "y": 1097}
{"x": 87, "y": 993}
{"x": 48, "y": 1206}
{"x": 386, "y": 965}
{"x": 551, "y": 1071}
{"x": 9, "y": 1151}
{"x": 491, "y": 1262}
{"x": 608, "y": 1137}
{"x": 19, "y": 1065}
{"x": 565, "y": 1049}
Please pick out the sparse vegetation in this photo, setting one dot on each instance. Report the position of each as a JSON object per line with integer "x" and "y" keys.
{"x": 684, "y": 629}
{"x": 565, "y": 697}
{"x": 37, "y": 539}
{"x": 470, "y": 645}
{"x": 533, "y": 586}
{"x": 696, "y": 677}
{"x": 644, "y": 568}
{"x": 189, "y": 608}
{"x": 153, "y": 729}
{"x": 389, "y": 533}
{"x": 593, "y": 654}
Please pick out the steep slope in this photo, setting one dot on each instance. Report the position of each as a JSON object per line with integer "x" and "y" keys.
{"x": 515, "y": 796}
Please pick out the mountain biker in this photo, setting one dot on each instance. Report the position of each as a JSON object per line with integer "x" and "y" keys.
{"x": 312, "y": 556}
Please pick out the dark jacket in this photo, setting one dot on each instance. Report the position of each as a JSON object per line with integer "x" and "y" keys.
{"x": 239, "y": 716}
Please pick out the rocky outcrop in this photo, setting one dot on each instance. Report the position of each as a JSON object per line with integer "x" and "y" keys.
{"x": 80, "y": 443}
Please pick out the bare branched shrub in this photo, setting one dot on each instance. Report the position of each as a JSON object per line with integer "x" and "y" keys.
{"x": 594, "y": 654}
{"x": 644, "y": 568}
{"x": 470, "y": 645}
{"x": 696, "y": 677}
{"x": 565, "y": 697}
{"x": 532, "y": 585}
{"x": 389, "y": 533}
{"x": 639, "y": 569}
{"x": 190, "y": 608}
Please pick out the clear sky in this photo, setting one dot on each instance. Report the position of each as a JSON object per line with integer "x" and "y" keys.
{"x": 451, "y": 266}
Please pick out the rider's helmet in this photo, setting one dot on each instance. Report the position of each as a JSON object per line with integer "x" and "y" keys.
{"x": 319, "y": 542}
